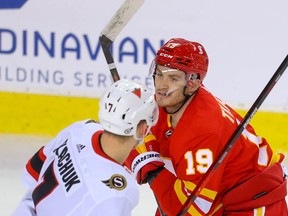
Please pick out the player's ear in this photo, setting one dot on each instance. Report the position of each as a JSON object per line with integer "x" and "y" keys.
{"x": 141, "y": 128}
{"x": 193, "y": 85}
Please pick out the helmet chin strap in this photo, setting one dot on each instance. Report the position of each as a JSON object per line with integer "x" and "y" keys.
{"x": 187, "y": 96}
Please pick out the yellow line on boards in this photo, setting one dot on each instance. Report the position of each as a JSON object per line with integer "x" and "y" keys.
{"x": 272, "y": 126}
{"x": 46, "y": 115}
{"x": 43, "y": 114}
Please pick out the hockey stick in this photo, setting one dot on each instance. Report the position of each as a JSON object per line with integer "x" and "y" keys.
{"x": 111, "y": 31}
{"x": 212, "y": 169}
{"x": 113, "y": 28}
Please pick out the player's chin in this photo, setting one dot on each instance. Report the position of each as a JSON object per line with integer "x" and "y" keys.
{"x": 163, "y": 103}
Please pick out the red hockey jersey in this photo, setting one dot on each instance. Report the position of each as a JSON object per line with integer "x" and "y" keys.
{"x": 191, "y": 147}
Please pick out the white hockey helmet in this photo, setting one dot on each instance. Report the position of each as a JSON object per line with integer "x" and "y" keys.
{"x": 124, "y": 105}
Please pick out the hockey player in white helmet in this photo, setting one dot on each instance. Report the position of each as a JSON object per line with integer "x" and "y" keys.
{"x": 80, "y": 171}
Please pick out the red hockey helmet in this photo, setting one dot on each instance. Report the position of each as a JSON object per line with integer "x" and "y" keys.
{"x": 184, "y": 55}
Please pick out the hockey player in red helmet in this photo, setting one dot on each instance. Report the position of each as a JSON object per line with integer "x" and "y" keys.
{"x": 181, "y": 55}
{"x": 192, "y": 130}
{"x": 184, "y": 55}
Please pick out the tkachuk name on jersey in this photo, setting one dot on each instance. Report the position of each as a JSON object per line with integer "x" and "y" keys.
{"x": 65, "y": 167}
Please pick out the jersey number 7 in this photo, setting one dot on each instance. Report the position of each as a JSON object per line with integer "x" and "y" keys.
{"x": 46, "y": 187}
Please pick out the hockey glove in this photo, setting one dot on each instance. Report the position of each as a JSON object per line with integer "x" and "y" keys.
{"x": 145, "y": 162}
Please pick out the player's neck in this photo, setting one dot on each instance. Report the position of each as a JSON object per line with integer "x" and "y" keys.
{"x": 175, "y": 118}
{"x": 116, "y": 148}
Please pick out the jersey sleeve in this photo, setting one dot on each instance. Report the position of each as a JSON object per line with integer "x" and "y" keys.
{"x": 30, "y": 178}
{"x": 33, "y": 168}
{"x": 26, "y": 206}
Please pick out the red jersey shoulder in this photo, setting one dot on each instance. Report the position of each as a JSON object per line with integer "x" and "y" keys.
{"x": 203, "y": 114}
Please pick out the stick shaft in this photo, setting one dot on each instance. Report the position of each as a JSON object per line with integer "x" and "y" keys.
{"x": 106, "y": 44}
{"x": 121, "y": 18}
{"x": 113, "y": 28}
{"x": 111, "y": 31}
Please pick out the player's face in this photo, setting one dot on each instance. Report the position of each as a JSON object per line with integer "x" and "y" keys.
{"x": 169, "y": 85}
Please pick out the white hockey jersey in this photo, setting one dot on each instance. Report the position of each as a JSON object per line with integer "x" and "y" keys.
{"x": 73, "y": 176}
